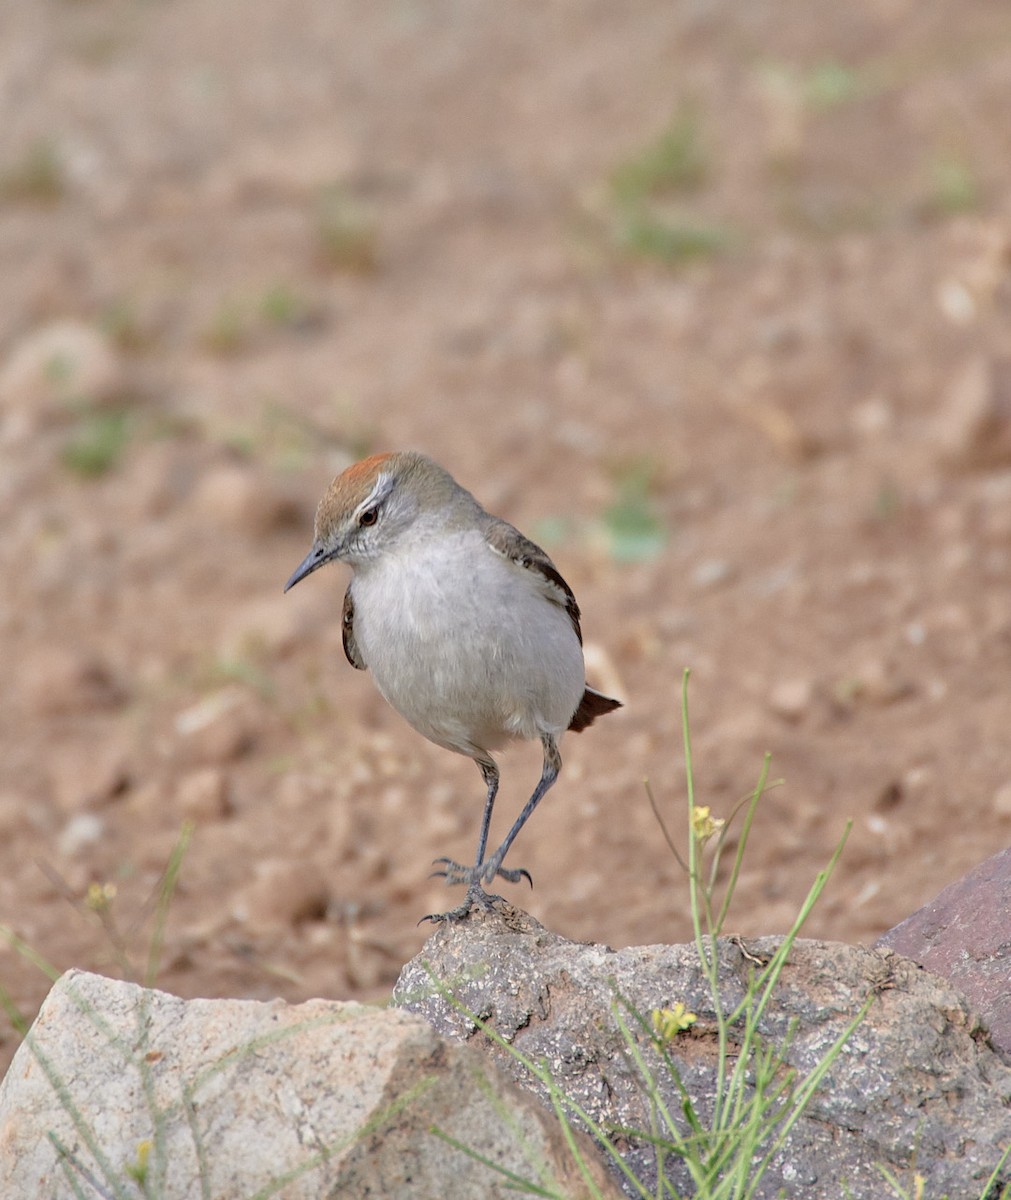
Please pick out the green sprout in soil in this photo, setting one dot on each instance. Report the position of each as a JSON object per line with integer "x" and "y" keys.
{"x": 347, "y": 236}
{"x": 634, "y": 530}
{"x": 97, "y": 443}
{"x": 644, "y": 216}
{"x": 675, "y": 162}
{"x": 38, "y": 178}
{"x": 955, "y": 186}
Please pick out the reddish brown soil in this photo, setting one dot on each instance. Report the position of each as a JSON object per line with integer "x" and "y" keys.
{"x": 820, "y": 408}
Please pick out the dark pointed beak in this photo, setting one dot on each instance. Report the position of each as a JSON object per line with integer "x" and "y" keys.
{"x": 315, "y": 559}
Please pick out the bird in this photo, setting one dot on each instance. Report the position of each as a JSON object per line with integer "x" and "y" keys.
{"x": 467, "y": 627}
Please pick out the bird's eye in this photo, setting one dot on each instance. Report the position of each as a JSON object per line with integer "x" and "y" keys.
{"x": 369, "y": 517}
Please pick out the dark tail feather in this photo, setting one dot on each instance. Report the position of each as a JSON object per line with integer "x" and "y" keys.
{"x": 592, "y": 705}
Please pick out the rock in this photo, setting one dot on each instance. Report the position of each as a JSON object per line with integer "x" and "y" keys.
{"x": 242, "y": 497}
{"x": 873, "y": 417}
{"x": 63, "y": 681}
{"x": 973, "y": 428}
{"x": 1002, "y": 800}
{"x": 915, "y": 1086}
{"x": 791, "y": 698}
{"x": 269, "y": 624}
{"x": 220, "y": 728}
{"x": 203, "y": 795}
{"x": 314, "y": 802}
{"x": 53, "y": 370}
{"x": 713, "y": 573}
{"x": 81, "y": 831}
{"x": 963, "y": 935}
{"x": 282, "y": 892}
{"x": 90, "y": 775}
{"x": 956, "y": 302}
{"x": 19, "y": 815}
{"x": 874, "y": 681}
{"x": 139, "y": 1091}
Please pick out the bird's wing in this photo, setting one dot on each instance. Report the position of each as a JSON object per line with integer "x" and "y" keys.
{"x": 351, "y": 651}
{"x": 511, "y": 544}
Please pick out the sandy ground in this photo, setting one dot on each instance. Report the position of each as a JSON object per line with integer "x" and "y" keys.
{"x": 712, "y": 299}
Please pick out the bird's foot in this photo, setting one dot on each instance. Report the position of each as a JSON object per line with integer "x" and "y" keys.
{"x": 483, "y": 873}
{"x": 476, "y": 897}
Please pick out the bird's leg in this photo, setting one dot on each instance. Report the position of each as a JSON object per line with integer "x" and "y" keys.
{"x": 489, "y": 773}
{"x": 454, "y": 872}
{"x": 474, "y": 876}
{"x": 552, "y": 765}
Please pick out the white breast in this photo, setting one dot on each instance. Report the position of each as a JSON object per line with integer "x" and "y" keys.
{"x": 465, "y": 645}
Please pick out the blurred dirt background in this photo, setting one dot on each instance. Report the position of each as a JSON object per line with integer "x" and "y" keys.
{"x": 710, "y": 298}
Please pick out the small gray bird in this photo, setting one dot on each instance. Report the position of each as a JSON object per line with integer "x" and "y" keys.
{"x": 469, "y": 630}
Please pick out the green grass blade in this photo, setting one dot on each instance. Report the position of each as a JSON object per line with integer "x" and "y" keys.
{"x": 165, "y": 893}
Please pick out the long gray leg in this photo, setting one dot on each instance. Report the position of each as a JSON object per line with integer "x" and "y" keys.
{"x": 454, "y": 872}
{"x": 473, "y": 876}
{"x": 552, "y": 765}
{"x": 489, "y": 773}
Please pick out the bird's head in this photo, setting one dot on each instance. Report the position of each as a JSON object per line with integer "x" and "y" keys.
{"x": 375, "y": 506}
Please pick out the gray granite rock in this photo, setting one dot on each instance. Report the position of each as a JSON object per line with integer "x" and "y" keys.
{"x": 916, "y": 1089}
{"x": 120, "y": 1091}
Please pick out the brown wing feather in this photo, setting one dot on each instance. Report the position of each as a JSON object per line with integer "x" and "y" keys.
{"x": 351, "y": 651}
{"x": 511, "y": 544}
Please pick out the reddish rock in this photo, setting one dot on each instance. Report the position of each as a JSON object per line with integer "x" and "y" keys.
{"x": 203, "y": 795}
{"x": 973, "y": 428}
{"x": 63, "y": 681}
{"x": 283, "y": 892}
{"x": 964, "y": 935}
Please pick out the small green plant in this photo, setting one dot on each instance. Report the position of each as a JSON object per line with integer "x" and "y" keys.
{"x": 244, "y": 668}
{"x": 37, "y": 179}
{"x": 98, "y": 904}
{"x": 284, "y": 308}
{"x": 823, "y": 87}
{"x": 759, "y": 1096}
{"x": 97, "y": 443}
{"x": 955, "y": 186}
{"x": 121, "y": 322}
{"x": 675, "y": 162}
{"x": 280, "y": 435}
{"x": 670, "y": 241}
{"x": 643, "y": 216}
{"x": 831, "y": 84}
{"x": 917, "y": 1188}
{"x": 229, "y": 329}
{"x": 634, "y": 530}
{"x": 347, "y": 236}
{"x": 240, "y": 321}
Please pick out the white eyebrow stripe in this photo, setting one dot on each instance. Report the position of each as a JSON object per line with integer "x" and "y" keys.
{"x": 383, "y": 487}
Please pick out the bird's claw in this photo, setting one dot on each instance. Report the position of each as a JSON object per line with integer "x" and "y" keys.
{"x": 483, "y": 873}
{"x": 476, "y": 897}
{"x": 514, "y": 875}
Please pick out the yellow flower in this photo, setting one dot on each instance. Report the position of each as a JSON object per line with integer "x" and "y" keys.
{"x": 138, "y": 1170}
{"x": 100, "y": 896}
{"x": 703, "y": 825}
{"x": 669, "y": 1022}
